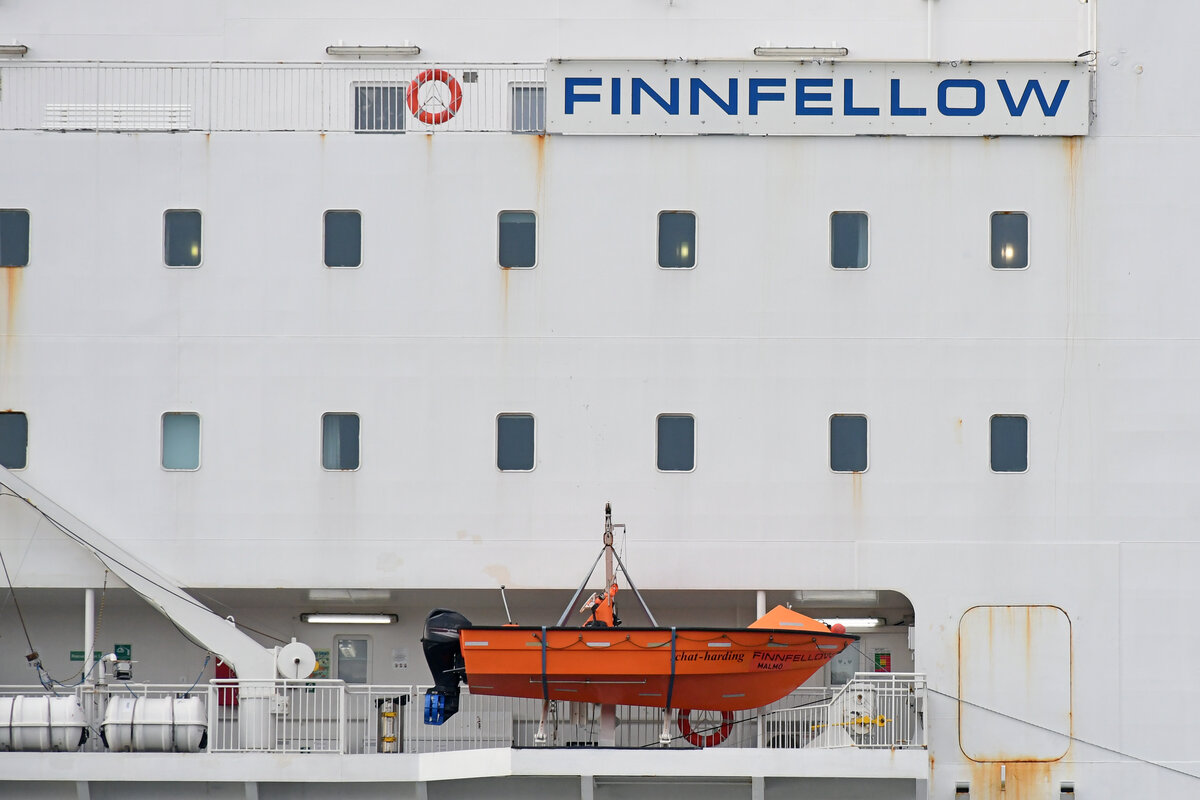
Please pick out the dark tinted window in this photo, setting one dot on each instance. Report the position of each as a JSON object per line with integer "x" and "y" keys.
{"x": 14, "y": 237}
{"x": 181, "y": 238}
{"x": 1010, "y": 443}
{"x": 676, "y": 442}
{"x": 1010, "y": 240}
{"x": 343, "y": 239}
{"x": 339, "y": 441}
{"x": 677, "y": 239}
{"x": 518, "y": 239}
{"x": 848, "y": 239}
{"x": 14, "y": 439}
{"x": 848, "y": 443}
{"x": 514, "y": 442}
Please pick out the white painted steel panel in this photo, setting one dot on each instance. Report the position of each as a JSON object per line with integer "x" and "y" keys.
{"x": 1015, "y": 683}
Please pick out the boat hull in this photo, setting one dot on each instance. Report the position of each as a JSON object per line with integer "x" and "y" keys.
{"x": 717, "y": 669}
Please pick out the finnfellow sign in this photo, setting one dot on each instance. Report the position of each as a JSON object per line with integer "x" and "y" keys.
{"x": 811, "y": 98}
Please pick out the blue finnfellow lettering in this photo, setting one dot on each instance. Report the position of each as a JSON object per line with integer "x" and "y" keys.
{"x": 1033, "y": 87}
{"x": 571, "y": 97}
{"x": 848, "y": 105}
{"x": 804, "y": 96}
{"x": 639, "y": 86}
{"x": 757, "y": 95}
{"x": 901, "y": 111}
{"x": 968, "y": 83}
{"x": 730, "y": 107}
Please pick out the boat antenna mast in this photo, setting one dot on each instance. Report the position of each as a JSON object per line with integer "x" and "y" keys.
{"x": 609, "y": 553}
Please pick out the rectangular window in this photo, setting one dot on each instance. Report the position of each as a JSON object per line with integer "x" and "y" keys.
{"x": 14, "y": 237}
{"x": 843, "y": 666}
{"x": 514, "y": 442}
{"x": 343, "y": 238}
{"x": 518, "y": 239}
{"x": 353, "y": 663}
{"x": 848, "y": 443}
{"x": 676, "y": 442}
{"x": 181, "y": 238}
{"x": 677, "y": 239}
{"x": 528, "y": 109}
{"x": 848, "y": 239}
{"x": 339, "y": 441}
{"x": 1010, "y": 443}
{"x": 380, "y": 108}
{"x": 181, "y": 441}
{"x": 1010, "y": 240}
{"x": 14, "y": 439}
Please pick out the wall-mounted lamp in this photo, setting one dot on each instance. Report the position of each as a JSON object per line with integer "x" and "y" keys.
{"x": 350, "y": 619}
{"x": 854, "y": 622}
{"x": 801, "y": 52}
{"x": 13, "y": 49}
{"x": 377, "y": 596}
{"x": 834, "y": 598}
{"x": 373, "y": 50}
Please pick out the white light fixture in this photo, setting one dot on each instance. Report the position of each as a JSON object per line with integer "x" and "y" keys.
{"x": 349, "y": 595}
{"x": 13, "y": 49}
{"x": 350, "y": 619}
{"x": 834, "y": 598}
{"x": 801, "y": 52}
{"x": 854, "y": 622}
{"x": 372, "y": 50}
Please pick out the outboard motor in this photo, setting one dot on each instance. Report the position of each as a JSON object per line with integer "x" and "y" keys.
{"x": 444, "y": 656}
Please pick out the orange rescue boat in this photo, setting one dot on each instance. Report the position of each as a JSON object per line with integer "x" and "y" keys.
{"x": 718, "y": 669}
{"x": 707, "y": 668}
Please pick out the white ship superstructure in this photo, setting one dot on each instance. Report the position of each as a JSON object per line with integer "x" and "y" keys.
{"x": 879, "y": 310}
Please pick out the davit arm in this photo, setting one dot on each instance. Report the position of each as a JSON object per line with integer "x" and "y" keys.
{"x": 249, "y": 658}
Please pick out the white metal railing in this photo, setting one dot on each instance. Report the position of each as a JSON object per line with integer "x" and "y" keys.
{"x": 225, "y": 96}
{"x": 874, "y": 710}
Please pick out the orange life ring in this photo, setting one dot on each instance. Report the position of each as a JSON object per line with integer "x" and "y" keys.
{"x": 414, "y": 103}
{"x": 697, "y": 738}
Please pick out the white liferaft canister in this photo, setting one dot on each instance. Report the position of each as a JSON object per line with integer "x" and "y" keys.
{"x": 155, "y": 724}
{"x": 40, "y": 723}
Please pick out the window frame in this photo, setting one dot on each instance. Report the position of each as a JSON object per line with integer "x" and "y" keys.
{"x": 336, "y": 666}
{"x": 162, "y": 443}
{"x": 1028, "y": 240}
{"x": 695, "y": 237}
{"x": 536, "y": 235}
{"x": 658, "y": 442}
{"x": 28, "y": 427}
{"x": 991, "y": 445}
{"x": 28, "y": 239}
{"x": 403, "y": 113}
{"x": 200, "y": 262}
{"x": 513, "y": 86}
{"x": 321, "y": 442}
{"x": 865, "y": 266}
{"x": 325, "y": 237}
{"x": 829, "y": 433}
{"x": 532, "y": 417}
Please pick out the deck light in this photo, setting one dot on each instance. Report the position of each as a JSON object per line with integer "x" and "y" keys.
{"x": 377, "y": 596}
{"x": 13, "y": 49}
{"x": 350, "y": 619}
{"x": 854, "y": 622}
{"x": 837, "y": 598}
{"x": 801, "y": 52}
{"x": 372, "y": 50}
